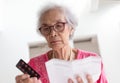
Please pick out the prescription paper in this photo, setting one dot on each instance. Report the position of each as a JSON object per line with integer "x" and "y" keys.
{"x": 60, "y": 70}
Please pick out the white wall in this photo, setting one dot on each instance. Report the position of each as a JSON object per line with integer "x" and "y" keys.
{"x": 105, "y": 22}
{"x": 18, "y": 30}
{"x": 109, "y": 38}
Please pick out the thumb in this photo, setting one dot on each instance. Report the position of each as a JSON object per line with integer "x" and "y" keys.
{"x": 39, "y": 81}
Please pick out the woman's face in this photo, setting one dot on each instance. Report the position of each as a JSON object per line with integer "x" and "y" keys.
{"x": 56, "y": 39}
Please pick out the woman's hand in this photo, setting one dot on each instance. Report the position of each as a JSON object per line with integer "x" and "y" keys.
{"x": 79, "y": 79}
{"x": 25, "y": 78}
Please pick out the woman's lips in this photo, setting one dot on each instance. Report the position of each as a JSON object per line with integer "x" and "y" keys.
{"x": 56, "y": 41}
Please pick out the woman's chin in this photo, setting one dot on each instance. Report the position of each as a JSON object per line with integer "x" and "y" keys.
{"x": 55, "y": 47}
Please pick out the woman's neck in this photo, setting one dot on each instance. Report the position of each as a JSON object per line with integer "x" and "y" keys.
{"x": 64, "y": 53}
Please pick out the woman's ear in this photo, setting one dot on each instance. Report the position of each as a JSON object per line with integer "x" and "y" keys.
{"x": 72, "y": 31}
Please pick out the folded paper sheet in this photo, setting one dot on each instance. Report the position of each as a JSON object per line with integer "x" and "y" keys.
{"x": 59, "y": 70}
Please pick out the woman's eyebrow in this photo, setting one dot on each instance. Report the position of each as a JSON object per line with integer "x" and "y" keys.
{"x": 59, "y": 20}
{"x": 44, "y": 24}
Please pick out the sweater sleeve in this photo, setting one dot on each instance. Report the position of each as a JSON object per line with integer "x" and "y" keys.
{"x": 102, "y": 78}
{"x": 31, "y": 63}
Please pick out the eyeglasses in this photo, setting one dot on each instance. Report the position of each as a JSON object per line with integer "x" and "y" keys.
{"x": 58, "y": 27}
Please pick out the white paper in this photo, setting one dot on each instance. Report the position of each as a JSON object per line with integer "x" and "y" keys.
{"x": 59, "y": 70}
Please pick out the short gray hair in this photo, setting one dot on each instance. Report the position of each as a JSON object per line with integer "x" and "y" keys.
{"x": 70, "y": 18}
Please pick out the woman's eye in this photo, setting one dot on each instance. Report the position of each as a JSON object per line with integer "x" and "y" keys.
{"x": 46, "y": 29}
{"x": 59, "y": 26}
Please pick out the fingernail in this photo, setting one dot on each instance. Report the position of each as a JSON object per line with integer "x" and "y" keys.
{"x": 70, "y": 81}
{"x": 88, "y": 76}
{"x": 78, "y": 78}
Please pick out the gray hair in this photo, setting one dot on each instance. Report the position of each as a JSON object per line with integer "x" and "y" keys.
{"x": 70, "y": 18}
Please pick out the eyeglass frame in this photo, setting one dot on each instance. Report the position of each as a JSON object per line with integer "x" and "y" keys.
{"x": 52, "y": 27}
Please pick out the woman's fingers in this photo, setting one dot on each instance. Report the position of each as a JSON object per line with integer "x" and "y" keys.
{"x": 70, "y": 81}
{"x": 79, "y": 79}
{"x": 39, "y": 81}
{"x": 19, "y": 78}
{"x": 89, "y": 78}
{"x": 30, "y": 80}
{"x": 25, "y": 78}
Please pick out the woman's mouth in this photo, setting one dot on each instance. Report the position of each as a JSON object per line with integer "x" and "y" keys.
{"x": 55, "y": 42}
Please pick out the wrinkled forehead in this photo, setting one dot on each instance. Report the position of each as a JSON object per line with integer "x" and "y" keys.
{"x": 52, "y": 16}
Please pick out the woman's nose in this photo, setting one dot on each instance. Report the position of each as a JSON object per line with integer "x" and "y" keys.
{"x": 52, "y": 33}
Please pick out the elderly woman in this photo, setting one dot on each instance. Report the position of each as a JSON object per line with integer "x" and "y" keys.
{"x": 57, "y": 24}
